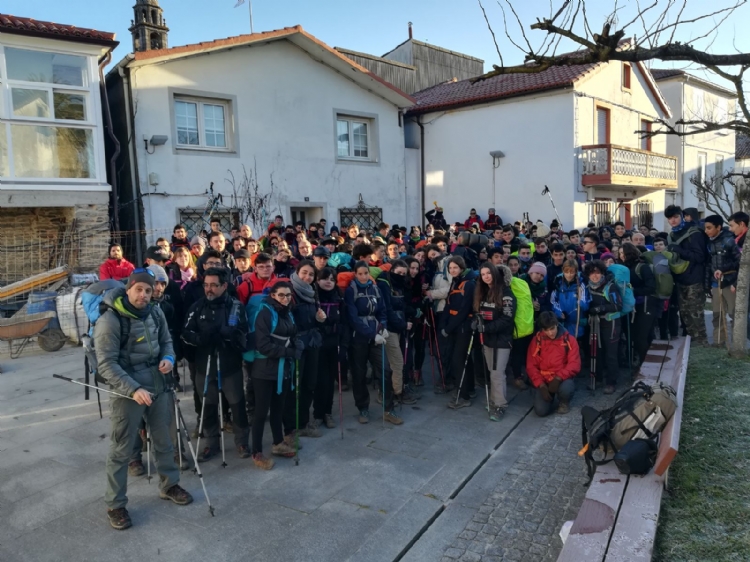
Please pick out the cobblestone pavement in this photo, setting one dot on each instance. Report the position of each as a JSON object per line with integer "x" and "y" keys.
{"x": 522, "y": 517}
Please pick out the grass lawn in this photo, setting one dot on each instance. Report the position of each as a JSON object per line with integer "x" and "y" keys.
{"x": 706, "y": 513}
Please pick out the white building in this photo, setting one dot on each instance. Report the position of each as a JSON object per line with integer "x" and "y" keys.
{"x": 702, "y": 155}
{"x": 54, "y": 194}
{"x": 572, "y": 128}
{"x": 742, "y": 156}
{"x": 280, "y": 109}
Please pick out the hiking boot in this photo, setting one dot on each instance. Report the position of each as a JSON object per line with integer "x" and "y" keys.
{"x": 520, "y": 384}
{"x": 290, "y": 441}
{"x": 119, "y": 518}
{"x": 207, "y": 454}
{"x": 177, "y": 494}
{"x": 364, "y": 417}
{"x": 391, "y": 417}
{"x": 444, "y": 389}
{"x": 243, "y": 451}
{"x": 135, "y": 468}
{"x": 458, "y": 404}
{"x": 609, "y": 389}
{"x": 472, "y": 394}
{"x": 330, "y": 424}
{"x": 418, "y": 380}
{"x": 310, "y": 431}
{"x": 406, "y": 398}
{"x": 413, "y": 391}
{"x": 496, "y": 413}
{"x": 563, "y": 408}
{"x": 283, "y": 450}
{"x": 263, "y": 462}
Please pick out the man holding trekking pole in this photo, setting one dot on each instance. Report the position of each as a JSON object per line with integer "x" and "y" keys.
{"x": 135, "y": 354}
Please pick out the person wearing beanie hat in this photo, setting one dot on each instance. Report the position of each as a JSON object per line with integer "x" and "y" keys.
{"x": 540, "y": 297}
{"x": 197, "y": 247}
{"x": 321, "y": 255}
{"x": 242, "y": 262}
{"x": 542, "y": 229}
{"x": 608, "y": 258}
{"x": 136, "y": 368}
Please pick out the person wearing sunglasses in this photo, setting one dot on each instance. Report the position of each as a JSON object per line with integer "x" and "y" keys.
{"x": 134, "y": 363}
{"x": 217, "y": 327}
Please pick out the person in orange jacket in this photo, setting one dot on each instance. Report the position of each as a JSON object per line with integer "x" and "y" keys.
{"x": 552, "y": 363}
{"x": 116, "y": 267}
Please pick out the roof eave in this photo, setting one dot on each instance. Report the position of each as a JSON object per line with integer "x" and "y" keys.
{"x": 108, "y": 45}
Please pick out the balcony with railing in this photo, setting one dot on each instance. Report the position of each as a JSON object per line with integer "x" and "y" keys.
{"x": 609, "y": 165}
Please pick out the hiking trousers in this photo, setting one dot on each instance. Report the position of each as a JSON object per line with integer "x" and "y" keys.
{"x": 497, "y": 360}
{"x": 328, "y": 374}
{"x": 359, "y": 354}
{"x": 692, "y": 302}
{"x": 267, "y": 398}
{"x": 457, "y": 349}
{"x": 395, "y": 361}
{"x": 125, "y": 418}
{"x": 564, "y": 393}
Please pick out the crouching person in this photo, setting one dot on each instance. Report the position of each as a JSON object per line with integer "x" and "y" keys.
{"x": 552, "y": 362}
{"x": 134, "y": 351}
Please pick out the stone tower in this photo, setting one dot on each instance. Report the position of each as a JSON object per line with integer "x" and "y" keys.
{"x": 149, "y": 28}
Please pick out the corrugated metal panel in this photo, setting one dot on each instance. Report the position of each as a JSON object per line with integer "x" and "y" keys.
{"x": 400, "y": 75}
{"x": 436, "y": 65}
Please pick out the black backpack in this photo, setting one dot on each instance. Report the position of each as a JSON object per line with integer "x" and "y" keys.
{"x": 641, "y": 411}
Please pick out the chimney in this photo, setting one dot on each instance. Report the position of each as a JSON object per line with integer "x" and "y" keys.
{"x": 410, "y": 32}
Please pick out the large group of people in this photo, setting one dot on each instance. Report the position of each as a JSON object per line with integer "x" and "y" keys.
{"x": 269, "y": 327}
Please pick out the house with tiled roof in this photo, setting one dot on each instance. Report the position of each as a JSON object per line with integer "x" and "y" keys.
{"x": 497, "y": 142}
{"x": 704, "y": 155}
{"x": 54, "y": 192}
{"x": 278, "y": 122}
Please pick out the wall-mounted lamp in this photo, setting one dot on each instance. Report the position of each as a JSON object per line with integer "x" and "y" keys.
{"x": 496, "y": 156}
{"x": 158, "y": 140}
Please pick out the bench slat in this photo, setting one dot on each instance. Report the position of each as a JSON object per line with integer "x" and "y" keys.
{"x": 635, "y": 530}
{"x": 595, "y": 521}
{"x": 670, "y": 437}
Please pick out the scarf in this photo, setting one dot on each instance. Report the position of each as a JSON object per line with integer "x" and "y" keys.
{"x": 537, "y": 289}
{"x": 596, "y": 285}
{"x": 137, "y": 312}
{"x": 302, "y": 290}
{"x": 186, "y": 276}
{"x": 680, "y": 226}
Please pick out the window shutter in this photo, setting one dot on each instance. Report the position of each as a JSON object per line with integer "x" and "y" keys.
{"x": 645, "y": 141}
{"x": 601, "y": 125}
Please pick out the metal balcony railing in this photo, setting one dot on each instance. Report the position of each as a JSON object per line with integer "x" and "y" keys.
{"x": 612, "y": 165}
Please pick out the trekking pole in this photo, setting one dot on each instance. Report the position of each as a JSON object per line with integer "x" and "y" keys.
{"x": 221, "y": 411}
{"x": 437, "y": 347}
{"x": 721, "y": 308}
{"x": 181, "y": 426}
{"x": 432, "y": 353}
{"x": 203, "y": 402}
{"x": 546, "y": 191}
{"x": 382, "y": 370}
{"x": 593, "y": 346}
{"x": 66, "y": 379}
{"x": 296, "y": 413}
{"x": 341, "y": 403}
{"x": 179, "y": 435}
{"x": 148, "y": 449}
{"x": 487, "y": 378}
{"x": 578, "y": 308}
{"x": 463, "y": 374}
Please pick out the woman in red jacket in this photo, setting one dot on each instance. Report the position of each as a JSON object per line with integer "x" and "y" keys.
{"x": 552, "y": 363}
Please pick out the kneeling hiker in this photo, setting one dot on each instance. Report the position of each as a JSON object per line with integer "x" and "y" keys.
{"x": 553, "y": 362}
{"x": 134, "y": 352}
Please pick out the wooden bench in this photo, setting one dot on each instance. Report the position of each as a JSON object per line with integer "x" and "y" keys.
{"x": 617, "y": 520}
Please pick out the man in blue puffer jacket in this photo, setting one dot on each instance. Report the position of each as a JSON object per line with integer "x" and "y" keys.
{"x": 570, "y": 299}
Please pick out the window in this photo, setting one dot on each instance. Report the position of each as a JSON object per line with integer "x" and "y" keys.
{"x": 602, "y": 125}
{"x": 201, "y": 124}
{"x": 195, "y": 219}
{"x": 49, "y": 127}
{"x": 718, "y": 172}
{"x": 701, "y": 171}
{"x": 626, "y": 76}
{"x": 354, "y": 138}
{"x": 645, "y": 141}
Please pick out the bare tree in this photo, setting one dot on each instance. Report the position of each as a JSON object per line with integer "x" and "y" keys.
{"x": 724, "y": 195}
{"x": 663, "y": 30}
{"x": 256, "y": 203}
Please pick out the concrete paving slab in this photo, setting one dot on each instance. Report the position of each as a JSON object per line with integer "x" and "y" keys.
{"x": 440, "y": 534}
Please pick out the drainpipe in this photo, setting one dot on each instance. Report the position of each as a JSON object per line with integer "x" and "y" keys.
{"x": 135, "y": 181}
{"x": 423, "y": 174}
{"x": 112, "y": 161}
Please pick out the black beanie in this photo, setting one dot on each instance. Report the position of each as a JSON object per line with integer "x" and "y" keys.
{"x": 142, "y": 276}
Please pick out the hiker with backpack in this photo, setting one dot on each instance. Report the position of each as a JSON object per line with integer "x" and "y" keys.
{"x": 553, "y": 361}
{"x": 368, "y": 320}
{"x": 721, "y": 275}
{"x": 570, "y": 299}
{"x": 688, "y": 242}
{"x": 604, "y": 322}
{"x": 217, "y": 327}
{"x": 495, "y": 308}
{"x": 648, "y": 305}
{"x": 136, "y": 366}
{"x": 277, "y": 351}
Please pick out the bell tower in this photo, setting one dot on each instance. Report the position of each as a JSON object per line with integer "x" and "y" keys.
{"x": 148, "y": 28}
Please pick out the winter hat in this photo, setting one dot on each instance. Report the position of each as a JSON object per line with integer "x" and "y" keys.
{"x": 157, "y": 253}
{"x": 197, "y": 241}
{"x": 159, "y": 273}
{"x": 321, "y": 251}
{"x": 242, "y": 253}
{"x": 542, "y": 229}
{"x": 538, "y": 267}
{"x": 141, "y": 276}
{"x": 607, "y": 255}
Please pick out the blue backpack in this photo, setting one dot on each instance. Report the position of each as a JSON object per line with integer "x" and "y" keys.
{"x": 622, "y": 280}
{"x": 253, "y": 307}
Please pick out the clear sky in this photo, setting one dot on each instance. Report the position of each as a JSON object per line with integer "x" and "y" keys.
{"x": 371, "y": 26}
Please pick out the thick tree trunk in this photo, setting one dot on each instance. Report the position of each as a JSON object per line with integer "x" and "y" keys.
{"x": 739, "y": 334}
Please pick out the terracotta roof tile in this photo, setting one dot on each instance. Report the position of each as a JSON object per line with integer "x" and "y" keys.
{"x": 28, "y": 26}
{"x": 462, "y": 93}
{"x": 663, "y": 73}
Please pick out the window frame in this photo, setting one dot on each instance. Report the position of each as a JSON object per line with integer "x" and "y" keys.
{"x": 92, "y": 109}
{"x": 608, "y": 113}
{"x": 200, "y": 103}
{"x": 702, "y": 166}
{"x": 373, "y": 147}
{"x": 646, "y": 125}
{"x": 627, "y": 77}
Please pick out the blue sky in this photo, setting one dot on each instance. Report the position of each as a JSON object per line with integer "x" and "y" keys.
{"x": 372, "y": 26}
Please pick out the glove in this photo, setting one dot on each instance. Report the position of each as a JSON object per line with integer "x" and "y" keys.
{"x": 474, "y": 325}
{"x": 379, "y": 339}
{"x": 297, "y": 349}
{"x": 444, "y": 333}
{"x": 554, "y": 385}
{"x": 385, "y": 334}
{"x": 480, "y": 326}
{"x": 544, "y": 391}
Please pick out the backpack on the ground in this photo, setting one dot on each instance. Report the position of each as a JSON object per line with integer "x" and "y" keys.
{"x": 524, "y": 319}
{"x": 621, "y": 276}
{"x": 659, "y": 264}
{"x": 641, "y": 412}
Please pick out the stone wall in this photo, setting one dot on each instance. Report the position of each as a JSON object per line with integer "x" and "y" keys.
{"x": 34, "y": 240}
